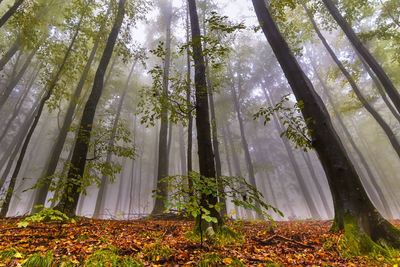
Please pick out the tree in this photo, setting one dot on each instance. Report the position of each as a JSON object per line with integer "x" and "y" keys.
{"x": 354, "y": 211}
{"x": 75, "y": 174}
{"x": 159, "y": 205}
{"x": 205, "y": 151}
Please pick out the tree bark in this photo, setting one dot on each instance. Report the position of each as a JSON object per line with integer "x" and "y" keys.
{"x": 204, "y": 144}
{"x": 78, "y": 162}
{"x": 189, "y": 105}
{"x": 163, "y": 162}
{"x": 365, "y": 54}
{"x": 352, "y": 205}
{"x": 10, "y": 12}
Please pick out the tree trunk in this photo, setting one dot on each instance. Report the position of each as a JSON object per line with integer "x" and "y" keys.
{"x": 189, "y": 106}
{"x": 78, "y": 162}
{"x": 365, "y": 54}
{"x": 364, "y": 163}
{"x": 245, "y": 146}
{"x": 10, "y": 12}
{"x": 159, "y": 205}
{"x": 353, "y": 208}
{"x": 204, "y": 144}
{"x": 7, "y": 91}
{"x": 385, "y": 127}
{"x": 182, "y": 151}
{"x": 100, "y": 195}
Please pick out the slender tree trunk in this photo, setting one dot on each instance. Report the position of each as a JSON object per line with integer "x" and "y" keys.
{"x": 78, "y": 162}
{"x": 353, "y": 208}
{"x": 163, "y": 151}
{"x": 214, "y": 130}
{"x": 100, "y": 195}
{"x": 228, "y": 160}
{"x": 7, "y": 91}
{"x": 189, "y": 105}
{"x": 370, "y": 175}
{"x": 182, "y": 151}
{"x": 10, "y": 12}
{"x": 204, "y": 144}
{"x": 385, "y": 127}
{"x": 365, "y": 54}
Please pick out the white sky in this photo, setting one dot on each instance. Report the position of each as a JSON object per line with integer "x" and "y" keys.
{"x": 236, "y": 10}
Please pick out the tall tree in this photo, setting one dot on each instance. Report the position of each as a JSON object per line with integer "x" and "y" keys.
{"x": 353, "y": 209}
{"x": 78, "y": 161}
{"x": 204, "y": 143}
{"x": 159, "y": 205}
{"x": 55, "y": 152}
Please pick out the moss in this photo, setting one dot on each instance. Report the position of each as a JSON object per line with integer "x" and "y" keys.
{"x": 355, "y": 242}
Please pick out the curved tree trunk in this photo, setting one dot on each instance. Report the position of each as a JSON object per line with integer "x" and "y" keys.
{"x": 353, "y": 208}
{"x": 78, "y": 162}
{"x": 365, "y": 54}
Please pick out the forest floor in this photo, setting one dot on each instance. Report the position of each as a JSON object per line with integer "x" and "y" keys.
{"x": 89, "y": 242}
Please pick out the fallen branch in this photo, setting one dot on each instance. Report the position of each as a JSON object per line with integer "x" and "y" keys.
{"x": 268, "y": 241}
